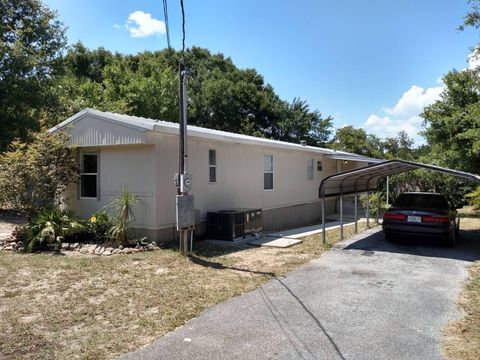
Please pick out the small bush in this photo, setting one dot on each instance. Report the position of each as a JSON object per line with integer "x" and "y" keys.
{"x": 372, "y": 211}
{"x": 99, "y": 226}
{"x": 122, "y": 210}
{"x": 474, "y": 198}
{"x": 21, "y": 233}
{"x": 35, "y": 176}
{"x": 50, "y": 227}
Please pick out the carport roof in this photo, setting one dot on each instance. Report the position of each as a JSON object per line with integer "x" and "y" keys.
{"x": 366, "y": 178}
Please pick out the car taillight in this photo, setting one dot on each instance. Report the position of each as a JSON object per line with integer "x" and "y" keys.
{"x": 435, "y": 219}
{"x": 394, "y": 216}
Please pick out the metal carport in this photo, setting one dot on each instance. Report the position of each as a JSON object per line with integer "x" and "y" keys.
{"x": 367, "y": 179}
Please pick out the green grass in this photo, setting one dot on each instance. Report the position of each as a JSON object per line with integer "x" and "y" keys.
{"x": 462, "y": 337}
{"x": 63, "y": 307}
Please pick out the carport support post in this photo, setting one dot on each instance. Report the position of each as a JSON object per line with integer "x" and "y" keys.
{"x": 378, "y": 200}
{"x": 368, "y": 209}
{"x": 355, "y": 213}
{"x": 324, "y": 239}
{"x": 341, "y": 214}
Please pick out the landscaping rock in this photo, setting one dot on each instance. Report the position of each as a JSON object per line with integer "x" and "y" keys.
{"x": 115, "y": 251}
{"x": 65, "y": 246}
{"x": 74, "y": 246}
{"x": 99, "y": 250}
{"x": 107, "y": 253}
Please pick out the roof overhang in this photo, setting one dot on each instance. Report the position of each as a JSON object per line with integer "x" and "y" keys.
{"x": 340, "y": 155}
{"x": 367, "y": 178}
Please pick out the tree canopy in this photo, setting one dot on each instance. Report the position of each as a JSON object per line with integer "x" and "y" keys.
{"x": 31, "y": 41}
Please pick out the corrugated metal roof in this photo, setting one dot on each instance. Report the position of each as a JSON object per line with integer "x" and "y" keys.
{"x": 347, "y": 157}
{"x": 366, "y": 178}
{"x": 145, "y": 124}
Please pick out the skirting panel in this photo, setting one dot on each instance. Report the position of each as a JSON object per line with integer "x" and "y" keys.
{"x": 297, "y": 215}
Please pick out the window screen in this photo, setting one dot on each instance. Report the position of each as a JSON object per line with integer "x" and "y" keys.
{"x": 310, "y": 169}
{"x": 212, "y": 166}
{"x": 268, "y": 172}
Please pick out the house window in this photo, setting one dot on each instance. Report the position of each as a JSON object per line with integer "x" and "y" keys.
{"x": 212, "y": 166}
{"x": 268, "y": 172}
{"x": 89, "y": 176}
{"x": 319, "y": 166}
{"x": 309, "y": 169}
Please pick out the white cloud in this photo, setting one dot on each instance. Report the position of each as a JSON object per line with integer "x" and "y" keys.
{"x": 414, "y": 101}
{"x": 141, "y": 24}
{"x": 474, "y": 59}
{"x": 116, "y": 26}
{"x": 405, "y": 114}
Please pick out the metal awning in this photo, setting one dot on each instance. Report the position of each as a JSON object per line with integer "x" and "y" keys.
{"x": 367, "y": 178}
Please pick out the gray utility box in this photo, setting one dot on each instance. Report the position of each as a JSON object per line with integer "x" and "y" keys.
{"x": 232, "y": 224}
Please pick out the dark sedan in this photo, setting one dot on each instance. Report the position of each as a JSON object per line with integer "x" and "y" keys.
{"x": 423, "y": 215}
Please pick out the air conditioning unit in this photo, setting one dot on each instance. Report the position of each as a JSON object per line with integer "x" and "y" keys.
{"x": 233, "y": 223}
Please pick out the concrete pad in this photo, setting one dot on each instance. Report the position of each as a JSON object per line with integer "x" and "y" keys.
{"x": 275, "y": 242}
{"x": 311, "y": 230}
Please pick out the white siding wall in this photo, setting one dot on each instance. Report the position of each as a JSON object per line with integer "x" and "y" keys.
{"x": 129, "y": 166}
{"x": 91, "y": 131}
{"x": 239, "y": 177}
{"x": 148, "y": 171}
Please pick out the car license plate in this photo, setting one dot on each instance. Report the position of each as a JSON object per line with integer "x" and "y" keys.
{"x": 415, "y": 219}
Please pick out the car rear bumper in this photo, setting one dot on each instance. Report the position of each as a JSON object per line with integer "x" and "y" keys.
{"x": 416, "y": 230}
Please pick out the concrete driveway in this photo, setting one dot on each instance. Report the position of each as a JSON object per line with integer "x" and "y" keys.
{"x": 364, "y": 299}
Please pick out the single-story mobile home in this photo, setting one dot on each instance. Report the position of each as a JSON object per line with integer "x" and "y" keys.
{"x": 228, "y": 170}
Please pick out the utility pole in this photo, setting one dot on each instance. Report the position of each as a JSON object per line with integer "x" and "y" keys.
{"x": 185, "y": 210}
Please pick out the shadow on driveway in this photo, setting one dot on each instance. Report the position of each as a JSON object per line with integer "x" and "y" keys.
{"x": 466, "y": 249}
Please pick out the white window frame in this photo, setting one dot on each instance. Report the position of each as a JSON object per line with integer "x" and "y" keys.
{"x": 269, "y": 172}
{"x": 212, "y": 166}
{"x": 82, "y": 154}
{"x": 310, "y": 168}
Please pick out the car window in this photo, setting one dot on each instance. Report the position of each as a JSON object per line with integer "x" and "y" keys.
{"x": 421, "y": 201}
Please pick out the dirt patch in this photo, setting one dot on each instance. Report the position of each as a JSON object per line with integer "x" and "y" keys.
{"x": 462, "y": 337}
{"x": 61, "y": 307}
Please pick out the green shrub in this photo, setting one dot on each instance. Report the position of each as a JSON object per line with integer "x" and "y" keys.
{"x": 122, "y": 211}
{"x": 35, "y": 176}
{"x": 372, "y": 210}
{"x": 51, "y": 227}
{"x": 99, "y": 226}
{"x": 474, "y": 198}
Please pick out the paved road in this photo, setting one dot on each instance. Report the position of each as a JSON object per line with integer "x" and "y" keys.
{"x": 365, "y": 299}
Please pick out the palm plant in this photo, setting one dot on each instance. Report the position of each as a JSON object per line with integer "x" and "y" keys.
{"x": 51, "y": 227}
{"x": 122, "y": 210}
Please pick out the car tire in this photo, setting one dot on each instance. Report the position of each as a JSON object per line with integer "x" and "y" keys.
{"x": 452, "y": 239}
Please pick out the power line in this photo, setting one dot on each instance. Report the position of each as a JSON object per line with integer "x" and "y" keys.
{"x": 183, "y": 26}
{"x": 165, "y": 16}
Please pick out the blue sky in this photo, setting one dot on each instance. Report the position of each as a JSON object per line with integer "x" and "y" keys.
{"x": 373, "y": 64}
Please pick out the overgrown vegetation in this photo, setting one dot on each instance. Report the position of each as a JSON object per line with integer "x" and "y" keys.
{"x": 50, "y": 227}
{"x": 474, "y": 198}
{"x": 34, "y": 176}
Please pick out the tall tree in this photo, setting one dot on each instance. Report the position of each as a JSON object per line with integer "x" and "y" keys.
{"x": 31, "y": 41}
{"x": 453, "y": 122}
{"x": 352, "y": 140}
